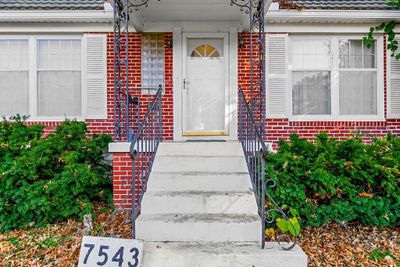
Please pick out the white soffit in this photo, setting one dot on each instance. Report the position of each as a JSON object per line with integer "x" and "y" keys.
{"x": 191, "y": 10}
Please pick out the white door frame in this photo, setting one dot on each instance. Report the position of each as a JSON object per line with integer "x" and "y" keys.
{"x": 179, "y": 55}
{"x": 225, "y": 46}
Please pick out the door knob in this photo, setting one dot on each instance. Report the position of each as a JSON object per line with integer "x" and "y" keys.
{"x": 185, "y": 83}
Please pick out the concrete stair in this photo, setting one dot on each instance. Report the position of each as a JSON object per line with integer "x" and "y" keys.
{"x": 198, "y": 181}
{"x": 199, "y": 209}
{"x": 221, "y": 254}
{"x": 211, "y": 202}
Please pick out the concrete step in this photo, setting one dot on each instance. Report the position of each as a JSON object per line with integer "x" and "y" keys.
{"x": 223, "y": 254}
{"x": 201, "y": 181}
{"x": 187, "y": 202}
{"x": 200, "y": 149}
{"x": 198, "y": 227}
{"x": 199, "y": 164}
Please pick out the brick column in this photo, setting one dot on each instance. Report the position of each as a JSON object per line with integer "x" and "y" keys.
{"x": 121, "y": 175}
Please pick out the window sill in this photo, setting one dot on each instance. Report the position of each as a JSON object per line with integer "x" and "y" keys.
{"x": 320, "y": 118}
{"x": 54, "y": 119}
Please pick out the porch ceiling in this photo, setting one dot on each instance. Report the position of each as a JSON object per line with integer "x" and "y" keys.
{"x": 175, "y": 12}
{"x": 191, "y": 10}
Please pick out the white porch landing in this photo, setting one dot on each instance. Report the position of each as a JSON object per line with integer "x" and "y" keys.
{"x": 199, "y": 210}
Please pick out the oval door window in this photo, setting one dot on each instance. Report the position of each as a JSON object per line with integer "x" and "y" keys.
{"x": 205, "y": 51}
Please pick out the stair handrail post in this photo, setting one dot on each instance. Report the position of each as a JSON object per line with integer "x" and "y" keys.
{"x": 143, "y": 148}
{"x": 133, "y": 193}
{"x": 263, "y": 188}
{"x": 255, "y": 151}
{"x": 160, "y": 119}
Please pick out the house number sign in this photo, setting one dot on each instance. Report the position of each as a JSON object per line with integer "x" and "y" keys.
{"x": 110, "y": 252}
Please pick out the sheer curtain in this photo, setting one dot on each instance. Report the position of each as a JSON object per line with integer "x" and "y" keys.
{"x": 59, "y": 78}
{"x": 311, "y": 77}
{"x": 357, "y": 78}
{"x": 14, "y": 77}
{"x": 311, "y": 93}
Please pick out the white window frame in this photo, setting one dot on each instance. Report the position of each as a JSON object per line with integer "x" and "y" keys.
{"x": 22, "y": 38}
{"x": 335, "y": 115}
{"x": 148, "y": 89}
{"x": 33, "y": 74}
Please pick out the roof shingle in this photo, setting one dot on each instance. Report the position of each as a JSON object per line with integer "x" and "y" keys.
{"x": 52, "y": 4}
{"x": 344, "y": 4}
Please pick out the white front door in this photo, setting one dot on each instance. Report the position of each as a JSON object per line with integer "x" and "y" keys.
{"x": 205, "y": 94}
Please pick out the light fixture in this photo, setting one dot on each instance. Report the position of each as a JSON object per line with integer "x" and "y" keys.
{"x": 241, "y": 42}
{"x": 170, "y": 43}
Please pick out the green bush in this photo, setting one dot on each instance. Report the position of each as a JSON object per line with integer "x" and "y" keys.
{"x": 341, "y": 181}
{"x": 50, "y": 179}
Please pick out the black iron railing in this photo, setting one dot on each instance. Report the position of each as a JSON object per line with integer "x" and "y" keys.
{"x": 255, "y": 152}
{"x": 256, "y": 90}
{"x": 138, "y": 99}
{"x": 123, "y": 12}
{"x": 143, "y": 149}
{"x": 133, "y": 115}
{"x": 121, "y": 70}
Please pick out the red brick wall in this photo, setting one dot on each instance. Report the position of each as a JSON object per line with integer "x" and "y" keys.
{"x": 107, "y": 125}
{"x": 122, "y": 164}
{"x": 277, "y": 129}
{"x": 122, "y": 177}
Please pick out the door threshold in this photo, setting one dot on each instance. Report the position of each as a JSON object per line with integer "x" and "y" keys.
{"x": 216, "y": 133}
{"x": 206, "y": 140}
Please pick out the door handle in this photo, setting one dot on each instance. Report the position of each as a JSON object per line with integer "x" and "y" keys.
{"x": 185, "y": 83}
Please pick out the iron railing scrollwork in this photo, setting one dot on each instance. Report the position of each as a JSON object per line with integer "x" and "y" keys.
{"x": 143, "y": 131}
{"x": 143, "y": 149}
{"x": 123, "y": 10}
{"x": 136, "y": 4}
{"x": 121, "y": 70}
{"x": 255, "y": 153}
{"x": 256, "y": 11}
{"x": 252, "y": 115}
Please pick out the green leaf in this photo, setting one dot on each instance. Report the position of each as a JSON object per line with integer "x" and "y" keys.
{"x": 282, "y": 225}
{"x": 294, "y": 212}
{"x": 294, "y": 226}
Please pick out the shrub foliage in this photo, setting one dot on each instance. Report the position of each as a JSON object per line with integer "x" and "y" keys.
{"x": 49, "y": 179}
{"x": 341, "y": 181}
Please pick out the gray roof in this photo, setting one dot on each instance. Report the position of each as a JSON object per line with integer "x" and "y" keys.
{"x": 344, "y": 4}
{"x": 52, "y": 4}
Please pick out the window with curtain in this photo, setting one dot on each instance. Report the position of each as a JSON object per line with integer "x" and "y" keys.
{"x": 357, "y": 78}
{"x": 152, "y": 61}
{"x": 311, "y": 77}
{"x": 333, "y": 77}
{"x": 14, "y": 77}
{"x": 59, "y": 90}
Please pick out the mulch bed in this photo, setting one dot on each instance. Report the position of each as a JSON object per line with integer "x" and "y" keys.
{"x": 330, "y": 245}
{"x": 351, "y": 245}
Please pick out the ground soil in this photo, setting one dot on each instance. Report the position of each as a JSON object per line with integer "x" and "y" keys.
{"x": 329, "y": 245}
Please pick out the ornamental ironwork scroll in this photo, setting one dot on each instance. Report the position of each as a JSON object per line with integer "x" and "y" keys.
{"x": 123, "y": 9}
{"x": 252, "y": 116}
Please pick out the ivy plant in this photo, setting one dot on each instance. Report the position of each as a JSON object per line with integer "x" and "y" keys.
{"x": 388, "y": 29}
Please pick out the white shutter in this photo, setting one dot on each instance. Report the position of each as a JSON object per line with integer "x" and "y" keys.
{"x": 96, "y": 76}
{"x": 276, "y": 75}
{"x": 394, "y": 87}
